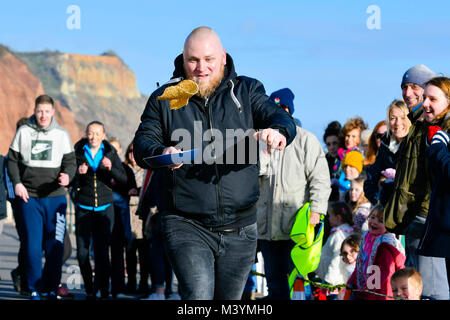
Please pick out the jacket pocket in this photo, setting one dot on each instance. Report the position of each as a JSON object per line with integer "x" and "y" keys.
{"x": 249, "y": 232}
{"x": 287, "y": 218}
{"x": 408, "y": 207}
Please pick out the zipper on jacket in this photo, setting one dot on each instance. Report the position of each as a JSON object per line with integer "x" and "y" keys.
{"x": 236, "y": 101}
{"x": 95, "y": 191}
{"x": 219, "y": 194}
{"x": 424, "y": 237}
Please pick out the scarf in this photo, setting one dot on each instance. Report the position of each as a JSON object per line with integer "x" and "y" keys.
{"x": 366, "y": 256}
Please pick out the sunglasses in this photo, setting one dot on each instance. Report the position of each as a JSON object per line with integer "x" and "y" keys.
{"x": 378, "y": 135}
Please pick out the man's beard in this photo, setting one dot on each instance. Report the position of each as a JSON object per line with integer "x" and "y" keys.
{"x": 206, "y": 89}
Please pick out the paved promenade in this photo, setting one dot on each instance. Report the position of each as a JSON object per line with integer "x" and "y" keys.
{"x": 9, "y": 246}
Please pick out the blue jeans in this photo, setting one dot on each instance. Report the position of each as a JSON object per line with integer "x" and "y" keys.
{"x": 208, "y": 265}
{"x": 43, "y": 224}
{"x": 433, "y": 270}
{"x": 277, "y": 267}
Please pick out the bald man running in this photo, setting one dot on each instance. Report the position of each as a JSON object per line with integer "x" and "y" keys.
{"x": 208, "y": 206}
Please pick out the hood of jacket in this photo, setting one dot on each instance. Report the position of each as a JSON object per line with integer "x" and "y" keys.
{"x": 32, "y": 122}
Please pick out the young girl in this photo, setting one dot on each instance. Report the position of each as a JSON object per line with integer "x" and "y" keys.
{"x": 352, "y": 166}
{"x": 359, "y": 203}
{"x": 331, "y": 269}
{"x": 380, "y": 255}
{"x": 349, "y": 253}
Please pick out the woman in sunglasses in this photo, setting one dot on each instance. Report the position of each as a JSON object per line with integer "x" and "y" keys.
{"x": 374, "y": 142}
{"x": 381, "y": 174}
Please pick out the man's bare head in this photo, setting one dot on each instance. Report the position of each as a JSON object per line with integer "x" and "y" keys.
{"x": 204, "y": 59}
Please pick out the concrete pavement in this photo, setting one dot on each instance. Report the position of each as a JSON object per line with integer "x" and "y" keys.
{"x": 9, "y": 247}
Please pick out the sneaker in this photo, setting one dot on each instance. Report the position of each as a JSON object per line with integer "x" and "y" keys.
{"x": 155, "y": 296}
{"x": 35, "y": 296}
{"x": 62, "y": 292}
{"x": 173, "y": 296}
{"x": 120, "y": 296}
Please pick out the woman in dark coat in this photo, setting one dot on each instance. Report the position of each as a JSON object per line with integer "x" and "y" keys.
{"x": 435, "y": 240}
{"x": 380, "y": 175}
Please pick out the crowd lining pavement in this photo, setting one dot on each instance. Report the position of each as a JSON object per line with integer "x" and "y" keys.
{"x": 71, "y": 277}
{"x": 9, "y": 247}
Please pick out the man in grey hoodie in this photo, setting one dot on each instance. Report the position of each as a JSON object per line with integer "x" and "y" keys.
{"x": 41, "y": 162}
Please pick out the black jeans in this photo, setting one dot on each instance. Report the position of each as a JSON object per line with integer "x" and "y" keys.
{"x": 98, "y": 225}
{"x": 141, "y": 246}
{"x": 208, "y": 265}
{"x": 161, "y": 270}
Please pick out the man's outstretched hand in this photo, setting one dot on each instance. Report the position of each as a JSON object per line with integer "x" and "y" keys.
{"x": 274, "y": 139}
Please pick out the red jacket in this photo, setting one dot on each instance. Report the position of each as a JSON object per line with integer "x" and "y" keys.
{"x": 388, "y": 259}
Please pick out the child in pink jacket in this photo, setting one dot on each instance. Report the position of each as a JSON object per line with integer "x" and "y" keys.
{"x": 380, "y": 255}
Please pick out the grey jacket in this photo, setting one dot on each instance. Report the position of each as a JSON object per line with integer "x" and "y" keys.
{"x": 289, "y": 179}
{"x": 37, "y": 156}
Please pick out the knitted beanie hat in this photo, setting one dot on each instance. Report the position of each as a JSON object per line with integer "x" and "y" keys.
{"x": 419, "y": 75}
{"x": 354, "y": 159}
{"x": 284, "y": 96}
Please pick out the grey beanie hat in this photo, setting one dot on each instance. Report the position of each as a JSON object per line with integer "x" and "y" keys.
{"x": 419, "y": 75}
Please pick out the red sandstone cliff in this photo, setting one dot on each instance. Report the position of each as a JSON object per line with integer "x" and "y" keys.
{"x": 18, "y": 90}
{"x": 85, "y": 88}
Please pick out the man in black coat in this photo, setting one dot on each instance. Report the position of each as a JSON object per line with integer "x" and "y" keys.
{"x": 209, "y": 219}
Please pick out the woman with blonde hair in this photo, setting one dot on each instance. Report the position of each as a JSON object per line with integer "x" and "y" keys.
{"x": 381, "y": 174}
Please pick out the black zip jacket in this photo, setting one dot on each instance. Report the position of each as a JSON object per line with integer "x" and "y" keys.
{"x": 385, "y": 159}
{"x": 214, "y": 192}
{"x": 94, "y": 189}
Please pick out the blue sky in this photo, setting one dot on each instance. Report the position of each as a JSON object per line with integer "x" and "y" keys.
{"x": 321, "y": 50}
